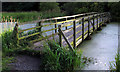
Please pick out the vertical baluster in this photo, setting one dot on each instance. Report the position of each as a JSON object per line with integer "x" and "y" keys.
{"x": 74, "y": 34}
{"x": 56, "y": 26}
{"x": 82, "y": 29}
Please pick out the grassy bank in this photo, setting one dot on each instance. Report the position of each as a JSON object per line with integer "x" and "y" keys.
{"x": 54, "y": 57}
{"x": 30, "y": 16}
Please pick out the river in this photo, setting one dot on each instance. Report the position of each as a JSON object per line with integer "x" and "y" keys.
{"x": 102, "y": 47}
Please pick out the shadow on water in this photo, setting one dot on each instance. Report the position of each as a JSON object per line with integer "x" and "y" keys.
{"x": 102, "y": 47}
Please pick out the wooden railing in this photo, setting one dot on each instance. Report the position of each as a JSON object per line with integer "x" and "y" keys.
{"x": 65, "y": 21}
{"x": 97, "y": 21}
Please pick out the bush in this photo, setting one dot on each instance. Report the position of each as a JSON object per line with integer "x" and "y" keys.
{"x": 60, "y": 59}
{"x": 8, "y": 44}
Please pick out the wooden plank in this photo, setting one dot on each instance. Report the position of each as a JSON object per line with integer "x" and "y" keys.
{"x": 60, "y": 31}
{"x": 65, "y": 21}
{"x": 85, "y": 36}
{"x": 28, "y": 29}
{"x": 78, "y": 38}
{"x": 86, "y": 32}
{"x": 28, "y": 36}
{"x": 78, "y": 42}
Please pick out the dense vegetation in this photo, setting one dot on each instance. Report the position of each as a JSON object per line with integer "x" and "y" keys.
{"x": 67, "y": 8}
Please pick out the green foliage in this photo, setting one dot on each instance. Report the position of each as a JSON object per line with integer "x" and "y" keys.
{"x": 49, "y": 6}
{"x": 30, "y": 16}
{"x": 8, "y": 43}
{"x": 59, "y": 59}
{"x": 115, "y": 64}
{"x": 6, "y": 61}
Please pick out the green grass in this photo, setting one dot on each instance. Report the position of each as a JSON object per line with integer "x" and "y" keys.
{"x": 115, "y": 64}
{"x": 30, "y": 16}
{"x": 60, "y": 59}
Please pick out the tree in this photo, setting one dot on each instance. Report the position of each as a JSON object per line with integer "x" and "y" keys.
{"x": 49, "y": 6}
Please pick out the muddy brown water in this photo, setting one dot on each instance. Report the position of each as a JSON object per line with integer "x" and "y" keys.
{"x": 102, "y": 47}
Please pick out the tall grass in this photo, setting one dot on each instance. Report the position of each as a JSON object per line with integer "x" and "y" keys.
{"x": 116, "y": 64}
{"x": 60, "y": 59}
{"x": 30, "y": 16}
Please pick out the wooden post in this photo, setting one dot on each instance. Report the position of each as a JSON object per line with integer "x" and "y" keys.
{"x": 99, "y": 28}
{"x": 82, "y": 29}
{"x": 102, "y": 20}
{"x": 66, "y": 26}
{"x": 74, "y": 34}
{"x": 56, "y": 26}
{"x": 97, "y": 21}
{"x": 40, "y": 29}
{"x": 39, "y": 24}
{"x": 15, "y": 34}
{"x": 93, "y": 23}
{"x": 88, "y": 26}
{"x": 60, "y": 36}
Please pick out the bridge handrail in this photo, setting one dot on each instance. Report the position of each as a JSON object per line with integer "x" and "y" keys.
{"x": 63, "y": 24}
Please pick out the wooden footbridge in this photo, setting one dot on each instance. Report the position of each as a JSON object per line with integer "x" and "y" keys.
{"x": 69, "y": 30}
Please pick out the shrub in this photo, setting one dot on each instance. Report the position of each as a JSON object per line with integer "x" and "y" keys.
{"x": 8, "y": 44}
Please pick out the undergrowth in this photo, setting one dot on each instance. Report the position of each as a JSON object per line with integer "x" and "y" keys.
{"x": 60, "y": 59}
